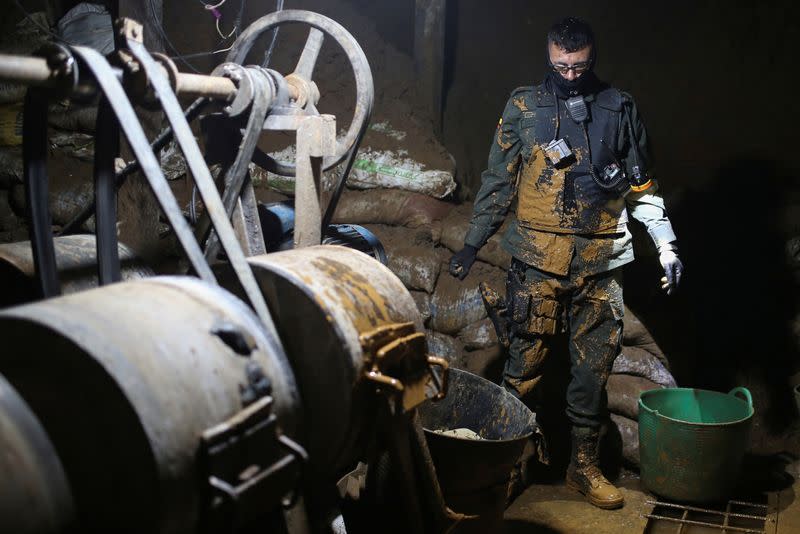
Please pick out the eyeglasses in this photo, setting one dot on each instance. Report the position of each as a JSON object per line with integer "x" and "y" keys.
{"x": 579, "y": 68}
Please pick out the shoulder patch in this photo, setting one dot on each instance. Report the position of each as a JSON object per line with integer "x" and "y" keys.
{"x": 500, "y": 123}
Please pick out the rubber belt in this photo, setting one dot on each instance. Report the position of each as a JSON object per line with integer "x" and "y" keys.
{"x": 205, "y": 184}
{"x": 34, "y": 156}
{"x": 237, "y": 173}
{"x": 131, "y": 127}
{"x": 161, "y": 140}
{"x": 105, "y": 194}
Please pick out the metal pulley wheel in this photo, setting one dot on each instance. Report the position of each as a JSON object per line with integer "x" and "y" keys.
{"x": 132, "y": 380}
{"x": 302, "y": 75}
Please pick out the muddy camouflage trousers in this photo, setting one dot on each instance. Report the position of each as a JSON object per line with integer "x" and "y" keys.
{"x": 541, "y": 306}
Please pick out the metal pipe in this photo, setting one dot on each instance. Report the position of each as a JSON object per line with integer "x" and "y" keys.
{"x": 34, "y": 71}
{"x": 215, "y": 87}
{"x": 25, "y": 70}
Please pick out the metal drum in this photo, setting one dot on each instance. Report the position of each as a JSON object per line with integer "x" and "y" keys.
{"x": 76, "y": 258}
{"x": 326, "y": 300}
{"x": 34, "y": 494}
{"x": 127, "y": 378}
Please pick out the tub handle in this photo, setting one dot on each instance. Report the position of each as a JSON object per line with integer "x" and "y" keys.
{"x": 744, "y": 393}
{"x": 442, "y": 380}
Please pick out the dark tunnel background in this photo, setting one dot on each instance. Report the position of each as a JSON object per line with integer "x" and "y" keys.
{"x": 716, "y": 85}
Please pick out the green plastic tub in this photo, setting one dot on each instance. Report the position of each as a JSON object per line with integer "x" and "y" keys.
{"x": 691, "y": 441}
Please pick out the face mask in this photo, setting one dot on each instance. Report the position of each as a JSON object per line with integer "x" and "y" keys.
{"x": 584, "y": 84}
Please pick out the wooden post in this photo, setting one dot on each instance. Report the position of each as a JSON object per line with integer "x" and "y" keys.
{"x": 429, "y": 32}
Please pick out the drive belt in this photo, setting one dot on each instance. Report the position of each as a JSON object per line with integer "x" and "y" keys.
{"x": 106, "y": 149}
{"x": 236, "y": 173}
{"x": 34, "y": 154}
{"x": 131, "y": 127}
{"x": 205, "y": 186}
{"x": 161, "y": 140}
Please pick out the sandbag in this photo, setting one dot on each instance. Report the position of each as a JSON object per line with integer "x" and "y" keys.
{"x": 68, "y": 191}
{"x": 623, "y": 394}
{"x": 88, "y": 24}
{"x": 635, "y": 334}
{"x": 11, "y": 124}
{"x": 72, "y": 117}
{"x": 393, "y": 169}
{"x": 628, "y": 430}
{"x": 10, "y": 166}
{"x": 416, "y": 266}
{"x": 388, "y": 206}
{"x": 28, "y": 36}
{"x": 478, "y": 335}
{"x": 446, "y": 347}
{"x": 637, "y": 361}
{"x": 8, "y": 221}
{"x": 423, "y": 302}
{"x": 456, "y": 304}
{"x": 454, "y": 228}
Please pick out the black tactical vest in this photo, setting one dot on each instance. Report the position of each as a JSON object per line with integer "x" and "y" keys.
{"x": 568, "y": 200}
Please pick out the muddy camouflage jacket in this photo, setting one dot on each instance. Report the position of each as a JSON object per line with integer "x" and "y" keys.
{"x": 564, "y": 213}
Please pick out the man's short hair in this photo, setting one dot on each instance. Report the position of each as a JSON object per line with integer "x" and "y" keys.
{"x": 571, "y": 34}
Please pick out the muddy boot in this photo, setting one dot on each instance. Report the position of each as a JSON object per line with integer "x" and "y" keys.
{"x": 583, "y": 473}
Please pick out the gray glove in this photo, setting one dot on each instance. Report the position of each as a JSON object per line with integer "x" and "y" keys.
{"x": 673, "y": 268}
{"x": 462, "y": 261}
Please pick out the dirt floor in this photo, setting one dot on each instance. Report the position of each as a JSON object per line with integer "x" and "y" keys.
{"x": 553, "y": 508}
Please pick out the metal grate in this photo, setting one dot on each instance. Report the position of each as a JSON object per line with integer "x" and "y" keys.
{"x": 736, "y": 517}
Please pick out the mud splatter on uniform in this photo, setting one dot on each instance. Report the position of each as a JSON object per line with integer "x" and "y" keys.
{"x": 569, "y": 237}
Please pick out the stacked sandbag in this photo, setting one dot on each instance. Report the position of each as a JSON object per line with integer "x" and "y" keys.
{"x": 641, "y": 366}
{"x": 27, "y": 37}
{"x": 412, "y": 229}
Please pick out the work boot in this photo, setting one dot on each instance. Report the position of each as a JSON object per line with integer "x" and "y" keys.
{"x": 583, "y": 473}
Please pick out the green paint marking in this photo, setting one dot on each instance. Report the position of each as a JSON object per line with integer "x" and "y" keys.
{"x": 387, "y": 170}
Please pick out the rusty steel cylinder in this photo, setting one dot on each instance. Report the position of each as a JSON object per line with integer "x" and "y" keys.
{"x": 34, "y": 495}
{"x": 323, "y": 299}
{"x": 125, "y": 379}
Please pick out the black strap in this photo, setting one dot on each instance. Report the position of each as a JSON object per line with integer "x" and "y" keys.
{"x": 132, "y": 128}
{"x": 158, "y": 144}
{"x": 34, "y": 155}
{"x": 106, "y": 149}
{"x": 236, "y": 172}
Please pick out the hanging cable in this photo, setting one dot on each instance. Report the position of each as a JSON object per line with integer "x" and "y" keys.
{"x": 158, "y": 25}
{"x": 268, "y": 53}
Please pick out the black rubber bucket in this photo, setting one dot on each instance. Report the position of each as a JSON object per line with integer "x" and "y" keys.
{"x": 474, "y": 473}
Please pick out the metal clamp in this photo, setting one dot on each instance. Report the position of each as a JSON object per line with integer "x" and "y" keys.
{"x": 396, "y": 348}
{"x": 250, "y": 468}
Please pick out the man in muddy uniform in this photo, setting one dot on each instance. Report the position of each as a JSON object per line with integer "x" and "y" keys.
{"x": 573, "y": 150}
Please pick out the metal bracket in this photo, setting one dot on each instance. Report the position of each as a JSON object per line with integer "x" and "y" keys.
{"x": 250, "y": 467}
{"x": 316, "y": 139}
{"x": 396, "y": 349}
